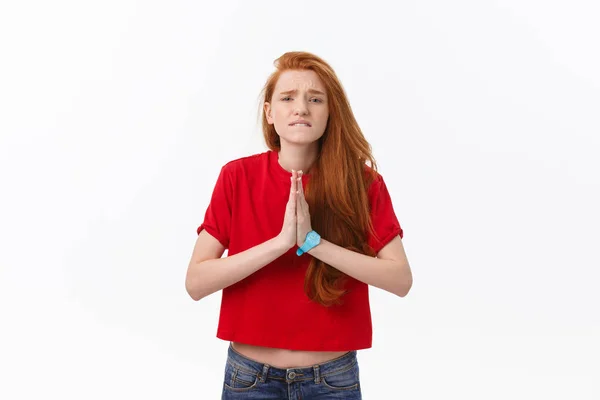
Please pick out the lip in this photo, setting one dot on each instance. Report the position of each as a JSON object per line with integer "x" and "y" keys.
{"x": 301, "y": 121}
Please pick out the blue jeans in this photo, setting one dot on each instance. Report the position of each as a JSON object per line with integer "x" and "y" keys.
{"x": 249, "y": 379}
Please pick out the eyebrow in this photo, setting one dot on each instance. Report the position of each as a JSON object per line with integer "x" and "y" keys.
{"x": 313, "y": 91}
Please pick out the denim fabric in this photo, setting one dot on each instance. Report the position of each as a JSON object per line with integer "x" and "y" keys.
{"x": 249, "y": 379}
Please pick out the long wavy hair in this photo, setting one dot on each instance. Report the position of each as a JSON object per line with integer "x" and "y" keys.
{"x": 337, "y": 192}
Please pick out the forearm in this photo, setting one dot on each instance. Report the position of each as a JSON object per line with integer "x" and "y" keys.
{"x": 210, "y": 276}
{"x": 390, "y": 275}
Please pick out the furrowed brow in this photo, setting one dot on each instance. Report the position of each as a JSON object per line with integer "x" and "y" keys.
{"x": 312, "y": 91}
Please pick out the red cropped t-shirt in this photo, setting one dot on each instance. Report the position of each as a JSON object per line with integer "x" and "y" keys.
{"x": 269, "y": 307}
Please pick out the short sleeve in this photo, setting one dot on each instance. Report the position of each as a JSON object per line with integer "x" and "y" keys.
{"x": 384, "y": 220}
{"x": 217, "y": 219}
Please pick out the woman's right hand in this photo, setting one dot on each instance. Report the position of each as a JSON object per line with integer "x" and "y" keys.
{"x": 287, "y": 236}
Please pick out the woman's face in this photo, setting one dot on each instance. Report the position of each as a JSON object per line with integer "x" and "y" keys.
{"x": 298, "y": 95}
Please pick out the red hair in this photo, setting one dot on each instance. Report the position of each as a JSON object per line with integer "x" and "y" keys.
{"x": 337, "y": 190}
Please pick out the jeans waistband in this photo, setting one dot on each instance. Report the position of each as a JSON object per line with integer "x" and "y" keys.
{"x": 314, "y": 372}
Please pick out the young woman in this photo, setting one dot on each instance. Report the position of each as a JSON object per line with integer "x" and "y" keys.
{"x": 308, "y": 226}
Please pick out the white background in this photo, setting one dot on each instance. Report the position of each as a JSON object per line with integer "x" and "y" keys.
{"x": 116, "y": 116}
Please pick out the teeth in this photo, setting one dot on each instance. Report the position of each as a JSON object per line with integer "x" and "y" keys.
{"x": 300, "y": 125}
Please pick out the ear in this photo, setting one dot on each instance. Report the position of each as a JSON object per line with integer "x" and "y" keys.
{"x": 268, "y": 113}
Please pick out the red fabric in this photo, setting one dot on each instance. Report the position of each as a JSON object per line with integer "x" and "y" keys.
{"x": 269, "y": 308}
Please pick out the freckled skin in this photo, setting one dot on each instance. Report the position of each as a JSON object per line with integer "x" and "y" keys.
{"x": 284, "y": 109}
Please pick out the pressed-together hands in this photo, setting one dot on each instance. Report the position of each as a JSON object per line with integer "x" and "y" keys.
{"x": 296, "y": 221}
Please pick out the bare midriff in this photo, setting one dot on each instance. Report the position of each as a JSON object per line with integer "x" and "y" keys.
{"x": 282, "y": 358}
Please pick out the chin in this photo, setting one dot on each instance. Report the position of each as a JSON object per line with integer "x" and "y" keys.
{"x": 300, "y": 137}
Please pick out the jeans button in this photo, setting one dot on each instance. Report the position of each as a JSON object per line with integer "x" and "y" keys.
{"x": 291, "y": 375}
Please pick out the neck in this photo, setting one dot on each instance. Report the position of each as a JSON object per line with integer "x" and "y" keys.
{"x": 298, "y": 157}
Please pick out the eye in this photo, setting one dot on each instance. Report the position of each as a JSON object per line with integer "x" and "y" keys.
{"x": 317, "y": 100}
{"x": 283, "y": 99}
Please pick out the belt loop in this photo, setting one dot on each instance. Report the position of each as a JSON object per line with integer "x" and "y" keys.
{"x": 265, "y": 371}
{"x": 317, "y": 374}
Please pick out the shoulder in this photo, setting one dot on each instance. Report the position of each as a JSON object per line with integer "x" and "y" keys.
{"x": 239, "y": 165}
{"x": 373, "y": 178}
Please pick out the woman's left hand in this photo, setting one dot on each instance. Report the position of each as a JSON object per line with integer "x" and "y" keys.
{"x": 303, "y": 225}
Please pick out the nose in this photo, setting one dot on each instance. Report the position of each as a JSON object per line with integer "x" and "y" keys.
{"x": 301, "y": 108}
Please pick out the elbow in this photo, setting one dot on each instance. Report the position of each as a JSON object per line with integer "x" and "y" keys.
{"x": 404, "y": 289}
{"x": 404, "y": 283}
{"x": 193, "y": 292}
{"x": 195, "y": 297}
{"x": 194, "y": 288}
